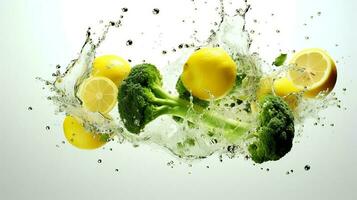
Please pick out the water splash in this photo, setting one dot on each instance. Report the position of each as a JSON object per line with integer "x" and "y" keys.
{"x": 181, "y": 139}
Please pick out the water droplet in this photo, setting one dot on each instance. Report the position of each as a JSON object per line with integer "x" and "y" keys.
{"x": 99, "y": 160}
{"x": 307, "y": 167}
{"x": 129, "y": 43}
{"x": 124, "y": 9}
{"x": 171, "y": 164}
{"x": 155, "y": 11}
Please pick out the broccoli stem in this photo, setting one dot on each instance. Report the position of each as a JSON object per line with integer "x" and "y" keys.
{"x": 192, "y": 112}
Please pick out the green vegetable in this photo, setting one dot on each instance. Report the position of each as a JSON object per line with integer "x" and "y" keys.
{"x": 280, "y": 60}
{"x": 141, "y": 99}
{"x": 275, "y": 131}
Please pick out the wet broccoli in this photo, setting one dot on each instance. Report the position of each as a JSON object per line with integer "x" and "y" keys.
{"x": 142, "y": 99}
{"x": 275, "y": 131}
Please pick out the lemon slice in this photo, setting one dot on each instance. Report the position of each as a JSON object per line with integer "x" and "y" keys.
{"x": 98, "y": 94}
{"x": 314, "y": 71}
{"x": 79, "y": 137}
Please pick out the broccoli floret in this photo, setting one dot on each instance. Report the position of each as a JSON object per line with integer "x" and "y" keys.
{"x": 275, "y": 132}
{"x": 141, "y": 99}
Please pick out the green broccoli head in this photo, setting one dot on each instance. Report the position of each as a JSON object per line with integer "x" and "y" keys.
{"x": 275, "y": 132}
{"x": 135, "y": 96}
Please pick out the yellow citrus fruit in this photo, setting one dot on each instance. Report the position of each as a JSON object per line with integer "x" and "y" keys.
{"x": 111, "y": 66}
{"x": 79, "y": 137}
{"x": 282, "y": 87}
{"x": 314, "y": 71}
{"x": 209, "y": 73}
{"x": 265, "y": 87}
{"x": 285, "y": 88}
{"x": 98, "y": 94}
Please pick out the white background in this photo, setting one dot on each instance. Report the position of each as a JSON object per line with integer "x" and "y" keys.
{"x": 38, "y": 34}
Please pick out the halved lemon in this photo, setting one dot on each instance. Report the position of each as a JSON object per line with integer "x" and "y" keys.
{"x": 98, "y": 94}
{"x": 314, "y": 71}
{"x": 79, "y": 137}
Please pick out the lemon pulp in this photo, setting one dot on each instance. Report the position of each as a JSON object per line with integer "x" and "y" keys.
{"x": 313, "y": 71}
{"x": 98, "y": 94}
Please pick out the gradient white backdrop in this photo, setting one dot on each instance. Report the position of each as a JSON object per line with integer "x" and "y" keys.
{"x": 35, "y": 35}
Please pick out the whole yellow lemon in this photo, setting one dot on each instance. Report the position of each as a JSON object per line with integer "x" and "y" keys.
{"x": 79, "y": 137}
{"x": 209, "y": 73}
{"x": 111, "y": 66}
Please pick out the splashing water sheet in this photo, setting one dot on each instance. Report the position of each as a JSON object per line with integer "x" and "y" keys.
{"x": 228, "y": 30}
